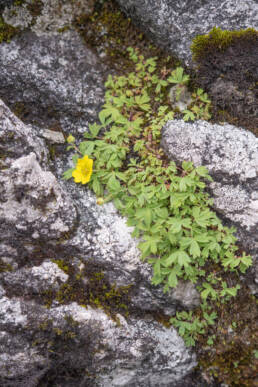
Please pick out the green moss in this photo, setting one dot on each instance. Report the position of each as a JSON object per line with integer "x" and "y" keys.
{"x": 5, "y": 267}
{"x": 63, "y": 29}
{"x": 61, "y": 264}
{"x": 232, "y": 360}
{"x": 110, "y": 32}
{"x": 6, "y": 31}
{"x": 90, "y": 287}
{"x": 219, "y": 40}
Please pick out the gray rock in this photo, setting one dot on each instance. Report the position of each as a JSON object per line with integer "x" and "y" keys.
{"x": 58, "y": 81}
{"x": 6, "y": 3}
{"x": 17, "y": 139}
{"x": 133, "y": 352}
{"x": 48, "y": 16}
{"x": 41, "y": 219}
{"x": 173, "y": 24}
{"x": 231, "y": 156}
{"x": 32, "y": 202}
{"x": 54, "y": 137}
{"x": 182, "y": 100}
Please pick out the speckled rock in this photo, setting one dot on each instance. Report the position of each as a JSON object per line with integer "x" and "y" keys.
{"x": 59, "y": 83}
{"x": 32, "y": 202}
{"x": 231, "y": 156}
{"x": 17, "y": 139}
{"x": 132, "y": 353}
{"x": 173, "y": 24}
{"x": 45, "y": 16}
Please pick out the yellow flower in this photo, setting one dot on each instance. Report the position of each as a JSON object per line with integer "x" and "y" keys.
{"x": 83, "y": 171}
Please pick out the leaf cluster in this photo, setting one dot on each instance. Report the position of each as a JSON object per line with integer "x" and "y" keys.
{"x": 165, "y": 204}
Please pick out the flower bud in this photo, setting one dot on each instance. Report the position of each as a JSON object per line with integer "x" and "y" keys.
{"x": 70, "y": 139}
{"x": 100, "y": 201}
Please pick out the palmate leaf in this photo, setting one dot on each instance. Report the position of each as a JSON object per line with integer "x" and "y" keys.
{"x": 113, "y": 184}
{"x": 178, "y": 257}
{"x": 109, "y": 114}
{"x": 142, "y": 101}
{"x": 210, "y": 317}
{"x": 172, "y": 279}
{"x": 188, "y": 115}
{"x": 87, "y": 147}
{"x": 184, "y": 183}
{"x": 94, "y": 129}
{"x": 208, "y": 292}
{"x": 149, "y": 246}
{"x": 178, "y": 76}
{"x": 202, "y": 218}
{"x": 177, "y": 224}
{"x": 230, "y": 260}
{"x": 194, "y": 249}
{"x": 202, "y": 238}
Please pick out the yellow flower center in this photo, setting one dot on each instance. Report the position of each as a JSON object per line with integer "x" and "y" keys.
{"x": 84, "y": 169}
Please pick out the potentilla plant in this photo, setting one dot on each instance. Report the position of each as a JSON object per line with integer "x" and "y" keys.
{"x": 121, "y": 160}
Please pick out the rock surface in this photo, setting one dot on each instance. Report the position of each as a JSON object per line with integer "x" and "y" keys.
{"x": 231, "y": 156}
{"x": 55, "y": 242}
{"x": 134, "y": 353}
{"x": 58, "y": 81}
{"x": 173, "y": 24}
{"x": 44, "y": 16}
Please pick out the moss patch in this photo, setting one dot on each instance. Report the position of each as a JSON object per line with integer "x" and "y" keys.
{"x": 6, "y": 31}
{"x": 231, "y": 359}
{"x": 64, "y": 346}
{"x": 219, "y": 40}
{"x": 109, "y": 32}
{"x": 5, "y": 266}
{"x": 89, "y": 286}
{"x": 227, "y": 70}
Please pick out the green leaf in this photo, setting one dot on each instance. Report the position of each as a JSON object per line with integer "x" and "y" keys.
{"x": 75, "y": 159}
{"x": 194, "y": 249}
{"x": 187, "y": 165}
{"x": 113, "y": 184}
{"x": 202, "y": 171}
{"x": 173, "y": 239}
{"x": 176, "y": 225}
{"x": 188, "y": 115}
{"x": 208, "y": 292}
{"x": 87, "y": 147}
{"x": 150, "y": 245}
{"x": 184, "y": 183}
{"x": 97, "y": 187}
{"x": 180, "y": 257}
{"x": 68, "y": 174}
{"x": 172, "y": 278}
{"x": 147, "y": 217}
{"x": 162, "y": 212}
{"x": 110, "y": 112}
{"x": 178, "y": 76}
{"x": 202, "y": 217}
{"x": 202, "y": 238}
{"x": 210, "y": 317}
{"x": 94, "y": 129}
{"x": 156, "y": 268}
